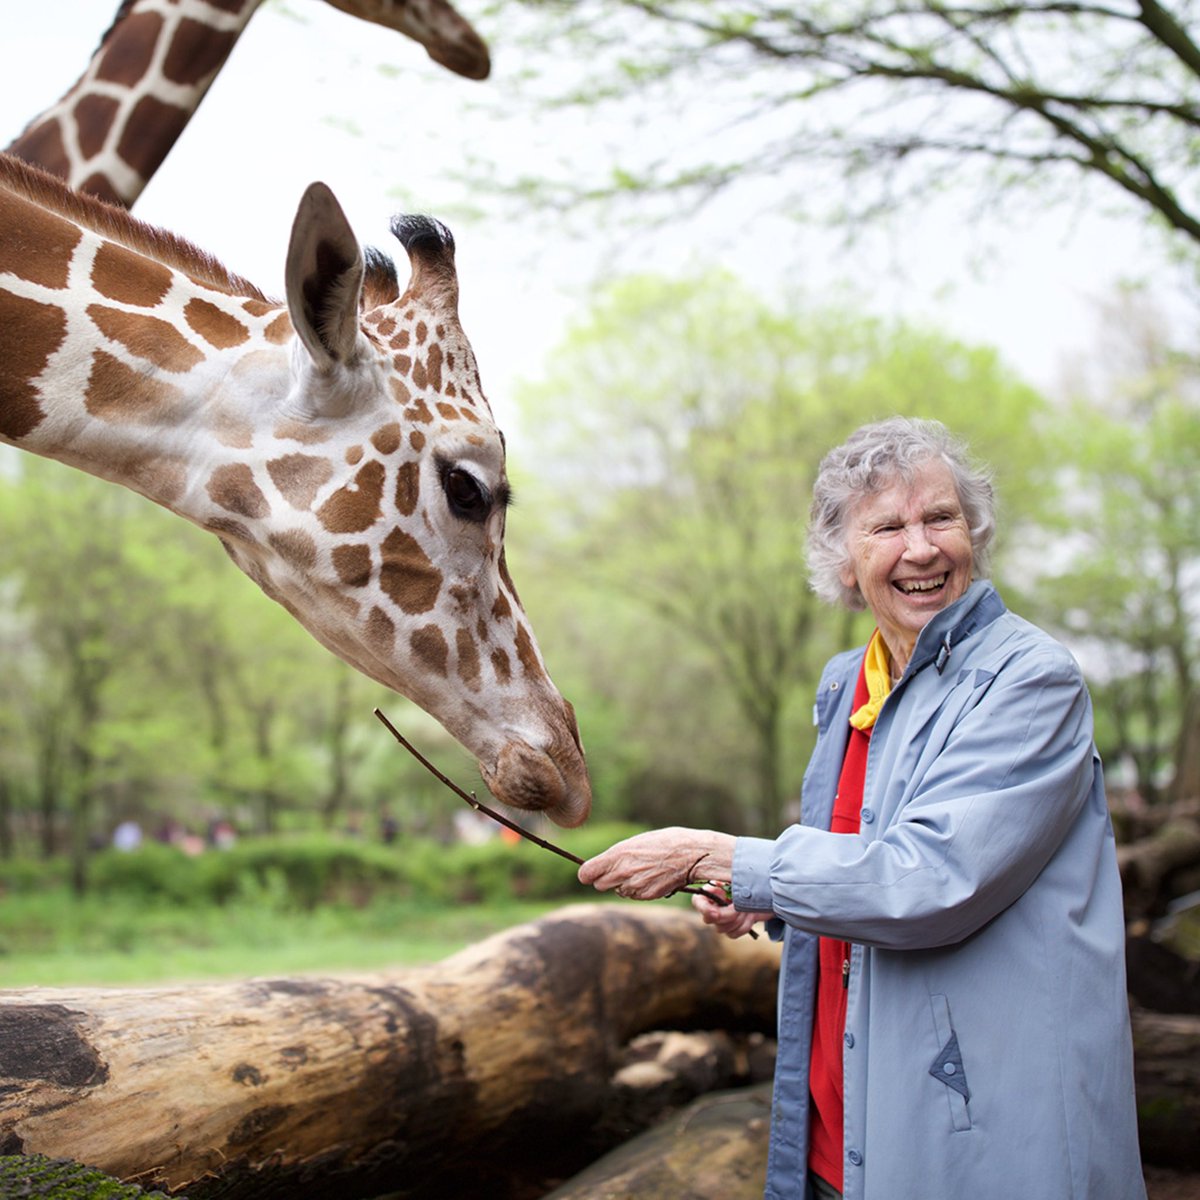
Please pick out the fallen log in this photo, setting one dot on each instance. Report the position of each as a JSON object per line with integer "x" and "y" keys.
{"x": 443, "y": 1081}
{"x": 714, "y": 1149}
{"x": 1160, "y": 867}
{"x": 1166, "y": 1061}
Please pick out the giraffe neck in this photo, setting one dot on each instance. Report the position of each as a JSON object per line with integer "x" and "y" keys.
{"x": 111, "y": 131}
{"x": 125, "y": 345}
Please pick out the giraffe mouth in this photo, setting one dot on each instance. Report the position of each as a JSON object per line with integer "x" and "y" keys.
{"x": 554, "y": 783}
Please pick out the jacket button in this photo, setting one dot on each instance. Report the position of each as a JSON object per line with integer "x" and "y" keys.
{"x": 854, "y": 1157}
{"x": 867, "y": 815}
{"x": 849, "y": 1040}
{"x": 948, "y": 1069}
{"x": 833, "y": 687}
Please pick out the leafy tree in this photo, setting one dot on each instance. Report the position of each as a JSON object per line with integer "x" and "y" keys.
{"x": 903, "y": 96}
{"x": 1127, "y": 554}
{"x": 681, "y": 427}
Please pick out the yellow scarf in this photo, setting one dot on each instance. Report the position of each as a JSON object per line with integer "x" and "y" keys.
{"x": 877, "y": 665}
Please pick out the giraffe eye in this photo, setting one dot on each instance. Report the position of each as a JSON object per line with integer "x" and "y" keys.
{"x": 467, "y": 497}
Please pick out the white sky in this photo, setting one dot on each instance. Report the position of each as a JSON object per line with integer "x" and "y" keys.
{"x": 302, "y": 98}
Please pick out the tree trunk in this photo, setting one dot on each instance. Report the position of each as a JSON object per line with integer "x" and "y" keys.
{"x": 442, "y": 1081}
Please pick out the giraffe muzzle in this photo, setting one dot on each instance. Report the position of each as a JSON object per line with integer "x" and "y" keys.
{"x": 554, "y": 783}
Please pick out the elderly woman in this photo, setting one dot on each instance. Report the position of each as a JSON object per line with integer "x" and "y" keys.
{"x": 953, "y": 1022}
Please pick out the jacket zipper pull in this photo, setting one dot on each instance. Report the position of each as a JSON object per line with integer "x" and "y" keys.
{"x": 845, "y": 972}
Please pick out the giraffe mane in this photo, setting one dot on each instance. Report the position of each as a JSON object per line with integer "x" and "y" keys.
{"x": 117, "y": 225}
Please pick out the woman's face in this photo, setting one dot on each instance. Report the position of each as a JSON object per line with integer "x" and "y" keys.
{"x": 910, "y": 554}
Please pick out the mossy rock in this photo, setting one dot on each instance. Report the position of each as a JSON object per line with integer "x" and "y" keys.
{"x": 40, "y": 1178}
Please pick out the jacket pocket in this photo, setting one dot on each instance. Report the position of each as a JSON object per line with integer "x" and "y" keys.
{"x": 947, "y": 1067}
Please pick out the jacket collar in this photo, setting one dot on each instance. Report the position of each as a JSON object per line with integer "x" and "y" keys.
{"x": 976, "y": 608}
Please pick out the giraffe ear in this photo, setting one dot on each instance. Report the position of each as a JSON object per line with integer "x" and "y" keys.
{"x": 324, "y": 277}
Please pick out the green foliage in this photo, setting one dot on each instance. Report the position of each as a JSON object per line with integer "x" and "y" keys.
{"x": 304, "y": 872}
{"x": 676, "y": 486}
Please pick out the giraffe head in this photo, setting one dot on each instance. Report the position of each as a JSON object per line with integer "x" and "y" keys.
{"x": 340, "y": 447}
{"x": 385, "y": 534}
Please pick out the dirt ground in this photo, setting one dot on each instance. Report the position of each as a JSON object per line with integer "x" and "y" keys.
{"x": 1162, "y": 1184}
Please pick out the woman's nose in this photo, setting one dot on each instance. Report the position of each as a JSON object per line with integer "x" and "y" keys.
{"x": 916, "y": 545}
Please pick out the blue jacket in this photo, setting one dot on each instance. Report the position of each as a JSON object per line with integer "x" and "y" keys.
{"x": 987, "y": 1051}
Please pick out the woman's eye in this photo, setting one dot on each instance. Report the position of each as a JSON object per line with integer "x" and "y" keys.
{"x": 467, "y": 497}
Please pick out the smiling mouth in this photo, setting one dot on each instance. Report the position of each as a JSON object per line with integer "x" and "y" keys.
{"x": 919, "y": 587}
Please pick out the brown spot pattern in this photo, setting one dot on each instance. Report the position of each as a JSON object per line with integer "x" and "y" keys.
{"x": 196, "y": 51}
{"x": 29, "y": 333}
{"x": 416, "y": 440}
{"x": 152, "y": 129}
{"x": 408, "y": 488}
{"x": 299, "y": 431}
{"x": 147, "y": 337}
{"x": 381, "y": 633}
{"x": 116, "y": 392}
{"x": 448, "y": 411}
{"x": 400, "y": 393}
{"x": 126, "y": 57}
{"x": 357, "y": 506}
{"x": 419, "y": 411}
{"x": 56, "y": 239}
{"x": 387, "y": 440}
{"x": 279, "y": 330}
{"x": 233, "y": 488}
{"x": 429, "y": 646}
{"x": 214, "y": 325}
{"x": 408, "y": 576}
{"x": 299, "y": 477}
{"x": 354, "y": 455}
{"x": 296, "y": 547}
{"x": 353, "y": 564}
{"x": 501, "y": 666}
{"x": 94, "y": 116}
{"x": 433, "y": 367}
{"x": 128, "y": 278}
{"x": 526, "y": 654}
{"x": 468, "y": 658}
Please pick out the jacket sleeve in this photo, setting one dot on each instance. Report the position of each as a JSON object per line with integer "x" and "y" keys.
{"x": 983, "y": 813}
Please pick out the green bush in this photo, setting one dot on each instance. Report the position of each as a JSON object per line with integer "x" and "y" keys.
{"x": 310, "y": 870}
{"x": 24, "y": 876}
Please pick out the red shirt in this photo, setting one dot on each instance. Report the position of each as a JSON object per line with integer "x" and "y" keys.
{"x": 829, "y": 1019}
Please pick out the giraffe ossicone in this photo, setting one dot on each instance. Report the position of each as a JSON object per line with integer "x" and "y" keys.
{"x": 339, "y": 445}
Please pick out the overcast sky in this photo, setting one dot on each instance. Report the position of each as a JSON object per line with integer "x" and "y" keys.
{"x": 304, "y": 98}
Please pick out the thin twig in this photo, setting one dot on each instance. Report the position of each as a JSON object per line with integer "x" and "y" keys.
{"x": 500, "y": 819}
{"x": 469, "y": 797}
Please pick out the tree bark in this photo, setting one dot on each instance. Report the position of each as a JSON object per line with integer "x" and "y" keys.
{"x": 437, "y": 1081}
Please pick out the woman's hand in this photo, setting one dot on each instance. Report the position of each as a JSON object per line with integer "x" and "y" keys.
{"x": 724, "y": 918}
{"x": 651, "y": 865}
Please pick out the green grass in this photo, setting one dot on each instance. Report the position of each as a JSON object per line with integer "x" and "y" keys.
{"x": 53, "y": 940}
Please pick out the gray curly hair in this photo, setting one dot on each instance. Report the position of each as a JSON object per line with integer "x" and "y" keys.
{"x": 870, "y": 461}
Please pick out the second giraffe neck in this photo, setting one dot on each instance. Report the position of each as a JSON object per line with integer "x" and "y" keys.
{"x": 112, "y": 130}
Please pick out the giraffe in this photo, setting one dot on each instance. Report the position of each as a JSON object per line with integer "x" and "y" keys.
{"x": 112, "y": 129}
{"x": 338, "y": 444}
